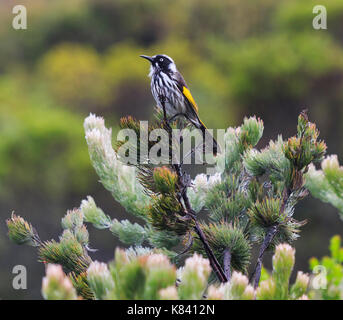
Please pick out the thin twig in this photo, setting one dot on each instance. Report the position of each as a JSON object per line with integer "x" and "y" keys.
{"x": 266, "y": 242}
{"x": 213, "y": 260}
{"x": 271, "y": 232}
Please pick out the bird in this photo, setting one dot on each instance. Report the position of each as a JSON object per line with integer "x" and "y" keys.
{"x": 172, "y": 94}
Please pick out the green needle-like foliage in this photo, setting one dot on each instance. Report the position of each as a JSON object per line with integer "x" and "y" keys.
{"x": 166, "y": 214}
{"x": 271, "y": 161}
{"x": 305, "y": 147}
{"x": 266, "y": 214}
{"x": 68, "y": 252}
{"x": 222, "y": 236}
{"x": 22, "y": 232}
{"x": 81, "y": 284}
{"x": 228, "y": 200}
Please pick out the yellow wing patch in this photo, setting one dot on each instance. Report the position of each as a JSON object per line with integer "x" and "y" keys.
{"x": 188, "y": 95}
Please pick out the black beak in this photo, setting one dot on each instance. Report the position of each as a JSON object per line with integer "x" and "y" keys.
{"x": 147, "y": 57}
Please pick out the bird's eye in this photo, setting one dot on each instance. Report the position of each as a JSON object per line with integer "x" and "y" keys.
{"x": 161, "y": 59}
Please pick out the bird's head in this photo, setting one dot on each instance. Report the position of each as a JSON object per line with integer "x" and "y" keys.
{"x": 161, "y": 62}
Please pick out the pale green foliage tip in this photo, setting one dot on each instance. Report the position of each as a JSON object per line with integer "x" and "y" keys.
{"x": 116, "y": 177}
{"x": 144, "y": 274}
{"x": 128, "y": 233}
{"x": 94, "y": 215}
{"x": 56, "y": 285}
{"x": 327, "y": 184}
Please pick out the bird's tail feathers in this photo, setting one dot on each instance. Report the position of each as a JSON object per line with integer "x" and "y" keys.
{"x": 203, "y": 128}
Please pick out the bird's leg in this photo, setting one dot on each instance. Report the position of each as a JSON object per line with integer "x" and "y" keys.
{"x": 171, "y": 119}
{"x": 162, "y": 99}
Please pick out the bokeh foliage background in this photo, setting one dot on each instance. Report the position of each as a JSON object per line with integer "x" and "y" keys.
{"x": 240, "y": 58}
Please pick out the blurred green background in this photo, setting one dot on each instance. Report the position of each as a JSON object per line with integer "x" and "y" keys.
{"x": 239, "y": 58}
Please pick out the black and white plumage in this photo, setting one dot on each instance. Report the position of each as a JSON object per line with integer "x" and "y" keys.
{"x": 171, "y": 92}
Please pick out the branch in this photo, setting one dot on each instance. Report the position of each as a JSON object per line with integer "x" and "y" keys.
{"x": 213, "y": 260}
{"x": 183, "y": 184}
{"x": 271, "y": 232}
{"x": 266, "y": 242}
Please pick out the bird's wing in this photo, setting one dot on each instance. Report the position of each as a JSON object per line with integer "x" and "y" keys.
{"x": 185, "y": 91}
{"x": 190, "y": 99}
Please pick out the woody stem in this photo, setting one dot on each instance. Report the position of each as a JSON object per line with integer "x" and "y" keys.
{"x": 188, "y": 208}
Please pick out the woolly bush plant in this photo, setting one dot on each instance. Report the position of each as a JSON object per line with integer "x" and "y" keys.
{"x": 249, "y": 199}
